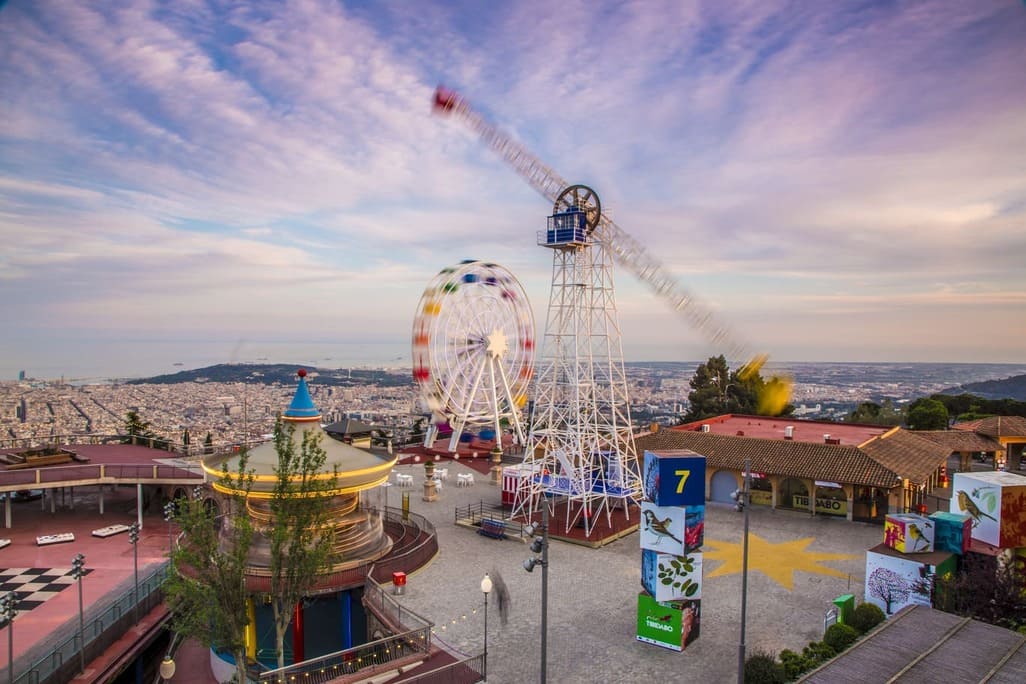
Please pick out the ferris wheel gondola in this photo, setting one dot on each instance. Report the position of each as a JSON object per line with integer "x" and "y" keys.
{"x": 473, "y": 350}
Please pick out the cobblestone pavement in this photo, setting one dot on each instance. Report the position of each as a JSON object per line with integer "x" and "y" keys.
{"x": 593, "y": 594}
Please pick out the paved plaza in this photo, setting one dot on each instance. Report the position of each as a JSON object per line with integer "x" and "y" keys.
{"x": 798, "y": 565}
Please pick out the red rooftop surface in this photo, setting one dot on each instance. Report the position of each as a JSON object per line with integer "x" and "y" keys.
{"x": 764, "y": 427}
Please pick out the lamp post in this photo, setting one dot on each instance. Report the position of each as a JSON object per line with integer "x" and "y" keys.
{"x": 486, "y": 588}
{"x": 169, "y": 515}
{"x": 722, "y": 385}
{"x": 541, "y": 544}
{"x": 78, "y": 572}
{"x": 133, "y": 538}
{"x": 8, "y": 609}
{"x": 744, "y": 575}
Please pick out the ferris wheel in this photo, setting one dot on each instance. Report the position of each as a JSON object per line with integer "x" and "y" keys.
{"x": 473, "y": 350}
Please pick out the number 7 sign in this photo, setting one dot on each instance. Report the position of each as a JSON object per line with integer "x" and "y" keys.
{"x": 674, "y": 478}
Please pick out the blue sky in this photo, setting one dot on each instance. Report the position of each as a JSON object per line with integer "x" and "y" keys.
{"x": 837, "y": 180}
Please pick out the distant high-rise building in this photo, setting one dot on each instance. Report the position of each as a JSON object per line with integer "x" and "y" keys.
{"x": 21, "y": 376}
{"x": 22, "y": 410}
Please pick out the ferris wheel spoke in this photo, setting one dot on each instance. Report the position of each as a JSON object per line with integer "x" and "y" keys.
{"x": 473, "y": 345}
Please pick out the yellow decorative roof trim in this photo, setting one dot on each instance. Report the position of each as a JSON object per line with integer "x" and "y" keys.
{"x": 333, "y": 492}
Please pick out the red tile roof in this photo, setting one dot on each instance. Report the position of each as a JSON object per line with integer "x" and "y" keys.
{"x": 907, "y": 454}
{"x": 996, "y": 426}
{"x": 961, "y": 440}
{"x": 814, "y": 431}
{"x": 835, "y": 463}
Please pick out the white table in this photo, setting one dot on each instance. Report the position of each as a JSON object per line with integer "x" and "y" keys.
{"x": 442, "y": 473}
{"x": 47, "y": 539}
{"x": 464, "y": 479}
{"x": 403, "y": 480}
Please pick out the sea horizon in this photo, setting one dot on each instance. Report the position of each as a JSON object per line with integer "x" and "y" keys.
{"x": 103, "y": 361}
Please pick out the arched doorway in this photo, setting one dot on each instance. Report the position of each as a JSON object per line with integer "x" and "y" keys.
{"x": 760, "y": 491}
{"x": 722, "y": 485}
{"x": 793, "y": 494}
{"x": 831, "y": 500}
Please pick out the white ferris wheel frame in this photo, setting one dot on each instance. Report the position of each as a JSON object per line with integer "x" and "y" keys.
{"x": 473, "y": 350}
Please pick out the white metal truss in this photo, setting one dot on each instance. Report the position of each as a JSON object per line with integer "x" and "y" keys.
{"x": 580, "y": 449}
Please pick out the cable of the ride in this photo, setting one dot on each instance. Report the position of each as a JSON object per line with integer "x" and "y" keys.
{"x": 626, "y": 250}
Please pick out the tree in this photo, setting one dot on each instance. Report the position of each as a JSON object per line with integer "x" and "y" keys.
{"x": 716, "y": 390}
{"x": 986, "y": 590}
{"x": 206, "y": 584}
{"x": 871, "y": 413}
{"x": 927, "y": 414}
{"x": 135, "y": 426}
{"x": 300, "y": 533}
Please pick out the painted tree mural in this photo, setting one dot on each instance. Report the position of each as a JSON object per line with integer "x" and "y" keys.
{"x": 889, "y": 587}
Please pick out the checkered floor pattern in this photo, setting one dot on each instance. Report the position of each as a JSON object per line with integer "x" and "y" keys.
{"x": 34, "y": 586}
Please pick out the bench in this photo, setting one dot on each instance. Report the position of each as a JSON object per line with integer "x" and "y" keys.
{"x": 496, "y": 529}
{"x": 47, "y": 539}
{"x": 4, "y": 542}
{"x": 110, "y": 531}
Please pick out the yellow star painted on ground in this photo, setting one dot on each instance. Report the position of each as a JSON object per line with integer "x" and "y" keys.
{"x": 777, "y": 561}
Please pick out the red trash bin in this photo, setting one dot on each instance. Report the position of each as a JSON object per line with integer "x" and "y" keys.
{"x": 398, "y": 582}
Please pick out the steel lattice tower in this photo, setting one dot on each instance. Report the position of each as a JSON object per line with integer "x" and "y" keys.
{"x": 580, "y": 449}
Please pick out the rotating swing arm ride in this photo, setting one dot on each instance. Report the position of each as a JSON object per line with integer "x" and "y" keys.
{"x": 627, "y": 251}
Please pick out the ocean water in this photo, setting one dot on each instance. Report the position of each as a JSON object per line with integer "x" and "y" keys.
{"x": 99, "y": 360}
{"x": 85, "y": 360}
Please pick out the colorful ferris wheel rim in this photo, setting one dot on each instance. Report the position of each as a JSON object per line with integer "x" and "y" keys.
{"x": 472, "y": 316}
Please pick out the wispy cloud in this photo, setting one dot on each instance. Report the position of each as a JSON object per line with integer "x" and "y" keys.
{"x": 199, "y": 164}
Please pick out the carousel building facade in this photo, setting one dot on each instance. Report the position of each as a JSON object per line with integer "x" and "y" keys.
{"x": 332, "y": 617}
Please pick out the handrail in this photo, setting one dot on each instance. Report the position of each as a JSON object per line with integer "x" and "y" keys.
{"x": 59, "y": 663}
{"x": 477, "y": 512}
{"x": 416, "y": 640}
{"x": 196, "y": 451}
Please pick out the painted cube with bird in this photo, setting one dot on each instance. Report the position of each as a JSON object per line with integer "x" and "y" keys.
{"x": 995, "y": 501}
{"x": 908, "y": 533}
{"x": 672, "y": 529}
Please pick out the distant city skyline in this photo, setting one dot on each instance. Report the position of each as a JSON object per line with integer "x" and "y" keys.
{"x": 181, "y": 182}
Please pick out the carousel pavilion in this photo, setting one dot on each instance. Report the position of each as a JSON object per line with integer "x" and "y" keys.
{"x": 332, "y": 617}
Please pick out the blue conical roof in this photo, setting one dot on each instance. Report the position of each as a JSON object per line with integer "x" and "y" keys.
{"x": 302, "y": 405}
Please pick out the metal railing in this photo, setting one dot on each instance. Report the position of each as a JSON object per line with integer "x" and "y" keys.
{"x": 60, "y": 662}
{"x": 474, "y": 513}
{"x": 195, "y": 451}
{"x": 413, "y": 639}
{"x": 467, "y": 671}
{"x": 140, "y": 472}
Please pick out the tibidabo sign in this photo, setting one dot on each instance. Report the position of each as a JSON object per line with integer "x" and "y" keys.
{"x": 828, "y": 506}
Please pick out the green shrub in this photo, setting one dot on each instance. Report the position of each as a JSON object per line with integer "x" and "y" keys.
{"x": 865, "y": 617}
{"x": 763, "y": 668}
{"x": 817, "y": 653}
{"x": 840, "y": 637}
{"x": 794, "y": 664}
